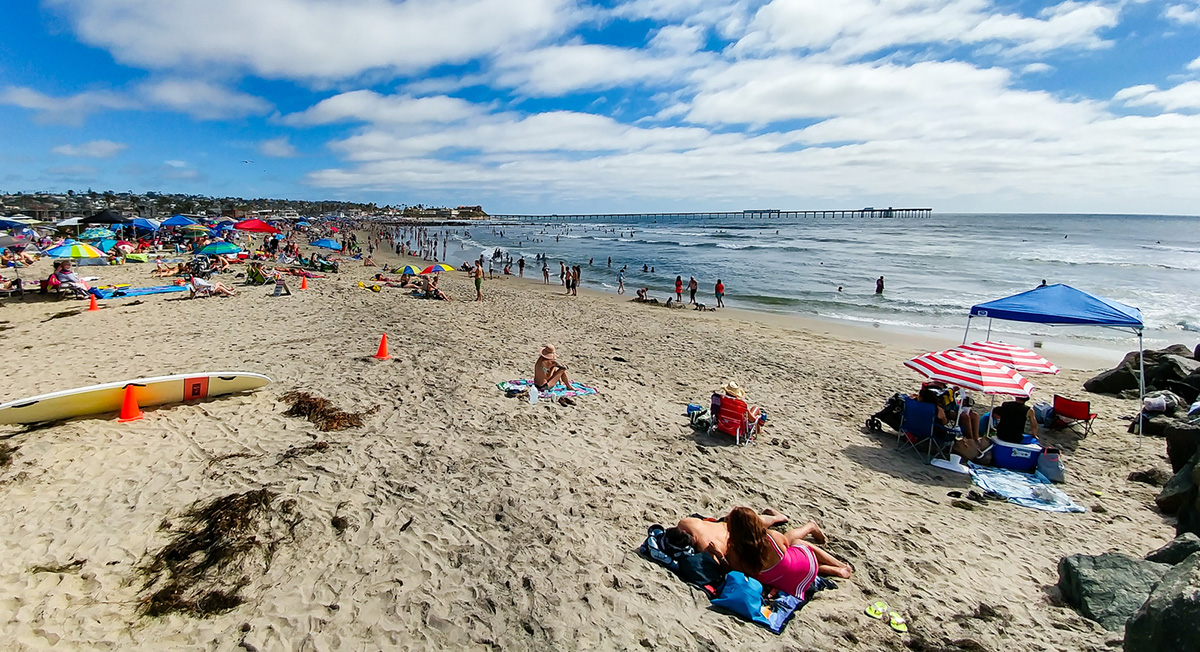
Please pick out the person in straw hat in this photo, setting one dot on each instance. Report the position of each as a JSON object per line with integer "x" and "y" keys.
{"x": 548, "y": 371}
{"x": 731, "y": 388}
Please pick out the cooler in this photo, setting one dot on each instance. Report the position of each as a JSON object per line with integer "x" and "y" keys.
{"x": 1017, "y": 457}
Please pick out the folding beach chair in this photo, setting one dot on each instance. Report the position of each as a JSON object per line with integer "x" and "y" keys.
{"x": 1073, "y": 415}
{"x": 731, "y": 416}
{"x": 919, "y": 431}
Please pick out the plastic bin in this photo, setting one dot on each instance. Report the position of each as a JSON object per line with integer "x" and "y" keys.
{"x": 1017, "y": 457}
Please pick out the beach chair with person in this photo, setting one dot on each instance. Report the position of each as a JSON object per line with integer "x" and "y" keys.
{"x": 920, "y": 430}
{"x": 732, "y": 416}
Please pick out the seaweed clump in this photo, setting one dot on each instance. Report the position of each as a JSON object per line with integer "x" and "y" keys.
{"x": 322, "y": 412}
{"x": 6, "y": 454}
{"x": 210, "y": 559}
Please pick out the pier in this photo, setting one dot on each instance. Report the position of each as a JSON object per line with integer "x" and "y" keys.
{"x": 761, "y": 214}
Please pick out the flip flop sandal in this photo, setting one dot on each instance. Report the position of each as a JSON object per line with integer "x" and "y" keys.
{"x": 896, "y": 622}
{"x": 878, "y": 610}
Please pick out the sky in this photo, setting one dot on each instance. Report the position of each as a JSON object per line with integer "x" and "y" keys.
{"x": 566, "y": 106}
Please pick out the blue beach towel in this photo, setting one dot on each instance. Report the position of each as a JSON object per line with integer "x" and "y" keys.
{"x": 557, "y": 391}
{"x": 121, "y": 293}
{"x": 1028, "y": 490}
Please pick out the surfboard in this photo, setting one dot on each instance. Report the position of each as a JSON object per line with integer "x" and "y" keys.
{"x": 98, "y": 399}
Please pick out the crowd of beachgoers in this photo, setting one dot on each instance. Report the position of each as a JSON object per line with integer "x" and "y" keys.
{"x": 510, "y": 455}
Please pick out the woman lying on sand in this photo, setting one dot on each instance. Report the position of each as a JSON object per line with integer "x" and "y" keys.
{"x": 784, "y": 561}
{"x": 548, "y": 372}
{"x": 161, "y": 270}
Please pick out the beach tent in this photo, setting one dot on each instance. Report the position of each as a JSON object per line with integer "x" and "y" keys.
{"x": 1063, "y": 305}
{"x": 143, "y": 223}
{"x": 257, "y": 226}
{"x": 106, "y": 217}
{"x": 178, "y": 220}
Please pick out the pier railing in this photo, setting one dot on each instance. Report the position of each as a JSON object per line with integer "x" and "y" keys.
{"x": 765, "y": 214}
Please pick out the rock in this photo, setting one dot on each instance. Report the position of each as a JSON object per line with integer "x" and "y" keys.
{"x": 1183, "y": 439}
{"x": 1170, "y": 618}
{"x": 1187, "y": 519}
{"x": 1107, "y": 588}
{"x": 1156, "y": 426}
{"x": 1152, "y": 477}
{"x": 1174, "y": 494}
{"x": 1159, "y": 370}
{"x": 1177, "y": 550}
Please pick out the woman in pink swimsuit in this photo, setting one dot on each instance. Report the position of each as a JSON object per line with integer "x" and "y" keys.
{"x": 777, "y": 560}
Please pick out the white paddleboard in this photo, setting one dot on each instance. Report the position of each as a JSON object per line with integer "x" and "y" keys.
{"x": 98, "y": 399}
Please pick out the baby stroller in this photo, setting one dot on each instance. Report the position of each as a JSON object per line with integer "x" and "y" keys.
{"x": 891, "y": 414}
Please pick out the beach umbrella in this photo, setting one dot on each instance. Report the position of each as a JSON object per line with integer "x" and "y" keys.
{"x": 438, "y": 268}
{"x": 328, "y": 243}
{"x": 410, "y": 270}
{"x": 6, "y": 223}
{"x": 70, "y": 221}
{"x": 96, "y": 233}
{"x": 256, "y": 226}
{"x": 178, "y": 220}
{"x": 14, "y": 242}
{"x": 71, "y": 249}
{"x": 301, "y": 223}
{"x": 1019, "y": 358}
{"x": 219, "y": 249}
{"x": 106, "y": 217}
{"x": 108, "y": 244}
{"x": 149, "y": 225}
{"x": 971, "y": 372}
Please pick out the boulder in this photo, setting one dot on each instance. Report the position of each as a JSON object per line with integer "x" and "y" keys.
{"x": 1170, "y": 618}
{"x": 1155, "y": 426}
{"x": 1154, "y": 477}
{"x": 1107, "y": 588}
{"x": 1159, "y": 369}
{"x": 1177, "y": 550}
{"x": 1183, "y": 439}
{"x": 1174, "y": 494}
{"x": 1187, "y": 519}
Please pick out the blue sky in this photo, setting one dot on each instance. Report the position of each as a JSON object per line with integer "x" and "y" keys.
{"x": 556, "y": 106}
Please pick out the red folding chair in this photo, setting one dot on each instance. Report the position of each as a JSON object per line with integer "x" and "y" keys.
{"x": 736, "y": 419}
{"x": 1073, "y": 414}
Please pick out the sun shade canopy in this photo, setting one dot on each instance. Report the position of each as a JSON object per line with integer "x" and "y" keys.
{"x": 1061, "y": 305}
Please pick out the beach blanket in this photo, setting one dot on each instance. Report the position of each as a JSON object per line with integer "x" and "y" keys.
{"x": 734, "y": 593}
{"x": 120, "y": 293}
{"x": 558, "y": 391}
{"x": 1028, "y": 490}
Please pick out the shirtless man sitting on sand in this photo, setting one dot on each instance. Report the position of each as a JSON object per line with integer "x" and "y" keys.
{"x": 713, "y": 537}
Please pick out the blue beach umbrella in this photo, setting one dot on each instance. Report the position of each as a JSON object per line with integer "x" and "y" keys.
{"x": 219, "y": 249}
{"x": 410, "y": 270}
{"x": 96, "y": 234}
{"x": 148, "y": 225}
{"x": 328, "y": 243}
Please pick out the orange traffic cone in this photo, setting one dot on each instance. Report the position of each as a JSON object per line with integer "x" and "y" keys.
{"x": 129, "y": 407}
{"x": 93, "y": 305}
{"x": 383, "y": 352}
{"x": 303, "y": 282}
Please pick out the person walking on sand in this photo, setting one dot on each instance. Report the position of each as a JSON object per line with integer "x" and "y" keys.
{"x": 678, "y": 289}
{"x": 621, "y": 282}
{"x": 720, "y": 292}
{"x": 478, "y": 274}
{"x": 562, "y": 274}
{"x": 879, "y": 286}
{"x": 693, "y": 285}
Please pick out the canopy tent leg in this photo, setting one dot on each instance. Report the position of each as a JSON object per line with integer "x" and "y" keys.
{"x": 968, "y": 331}
{"x": 1141, "y": 380}
{"x": 989, "y": 333}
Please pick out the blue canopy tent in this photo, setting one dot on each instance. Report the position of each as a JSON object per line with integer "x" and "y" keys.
{"x": 1063, "y": 305}
{"x": 178, "y": 220}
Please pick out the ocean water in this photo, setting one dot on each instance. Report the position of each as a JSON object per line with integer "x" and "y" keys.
{"x": 934, "y": 268}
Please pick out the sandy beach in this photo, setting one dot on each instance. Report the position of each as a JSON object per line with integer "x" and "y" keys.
{"x": 457, "y": 518}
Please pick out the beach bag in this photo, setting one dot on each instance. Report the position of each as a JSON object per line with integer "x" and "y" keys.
{"x": 1154, "y": 404}
{"x": 743, "y": 596}
{"x": 1050, "y": 465}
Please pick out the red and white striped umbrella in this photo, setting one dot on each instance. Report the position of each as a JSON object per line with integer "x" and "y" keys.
{"x": 1017, "y": 357}
{"x": 971, "y": 372}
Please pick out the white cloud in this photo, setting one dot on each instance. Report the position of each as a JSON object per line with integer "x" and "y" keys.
{"x": 1037, "y": 68}
{"x": 93, "y": 149}
{"x": 561, "y": 69}
{"x": 307, "y": 39}
{"x": 1185, "y": 96}
{"x": 369, "y": 106}
{"x": 177, "y": 164}
{"x": 200, "y": 99}
{"x": 1195, "y": 64}
{"x": 1185, "y": 12}
{"x": 203, "y": 100}
{"x": 852, "y": 28}
{"x": 71, "y": 109}
{"x": 278, "y": 148}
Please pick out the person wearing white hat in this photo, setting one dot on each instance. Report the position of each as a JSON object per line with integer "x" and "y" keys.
{"x": 548, "y": 371}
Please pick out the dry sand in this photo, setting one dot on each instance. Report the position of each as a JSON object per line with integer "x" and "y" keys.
{"x": 522, "y": 521}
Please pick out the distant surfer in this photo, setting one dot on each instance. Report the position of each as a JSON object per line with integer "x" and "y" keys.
{"x": 879, "y": 285}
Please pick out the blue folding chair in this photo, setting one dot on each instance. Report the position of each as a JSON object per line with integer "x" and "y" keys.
{"x": 920, "y": 431}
